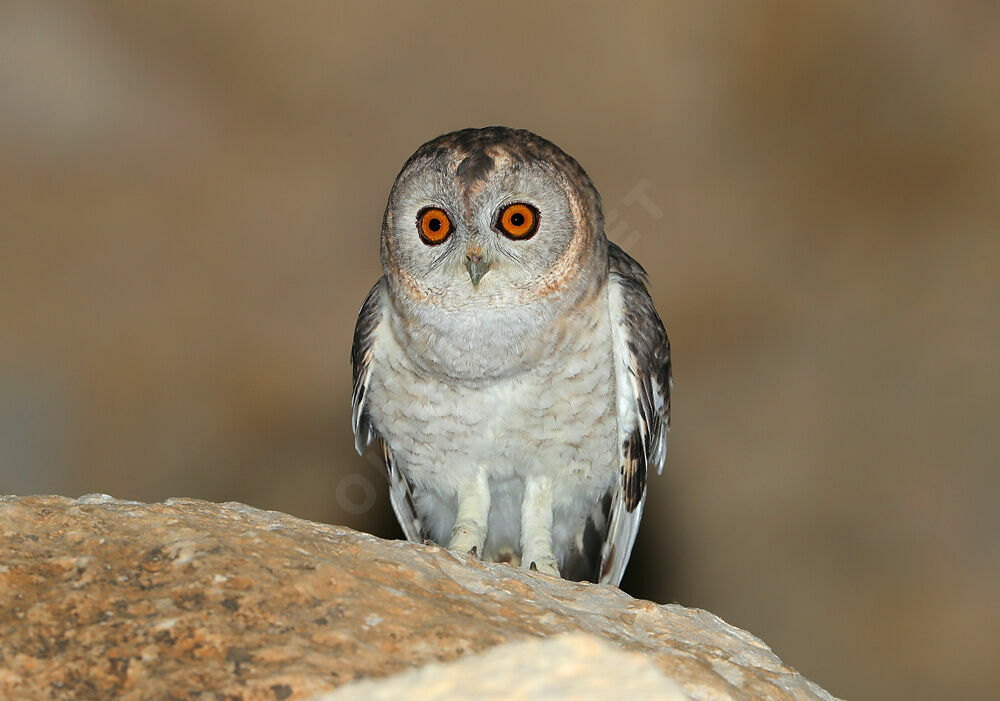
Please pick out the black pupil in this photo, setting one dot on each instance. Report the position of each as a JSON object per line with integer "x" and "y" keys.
{"x": 517, "y": 219}
{"x": 434, "y": 224}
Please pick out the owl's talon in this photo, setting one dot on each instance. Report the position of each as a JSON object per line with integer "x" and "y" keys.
{"x": 545, "y": 565}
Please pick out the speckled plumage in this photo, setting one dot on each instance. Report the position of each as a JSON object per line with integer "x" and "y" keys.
{"x": 517, "y": 413}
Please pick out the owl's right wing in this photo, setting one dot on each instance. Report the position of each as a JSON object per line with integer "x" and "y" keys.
{"x": 643, "y": 379}
{"x": 363, "y": 353}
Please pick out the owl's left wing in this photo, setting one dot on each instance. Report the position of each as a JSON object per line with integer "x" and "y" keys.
{"x": 643, "y": 380}
{"x": 363, "y": 353}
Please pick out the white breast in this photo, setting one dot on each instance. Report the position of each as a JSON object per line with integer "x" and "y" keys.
{"x": 557, "y": 417}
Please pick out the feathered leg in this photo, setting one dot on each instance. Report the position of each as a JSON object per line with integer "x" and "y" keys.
{"x": 536, "y": 527}
{"x": 473, "y": 515}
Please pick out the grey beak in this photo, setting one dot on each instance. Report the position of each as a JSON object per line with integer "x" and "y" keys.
{"x": 477, "y": 267}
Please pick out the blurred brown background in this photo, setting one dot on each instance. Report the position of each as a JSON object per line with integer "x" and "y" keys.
{"x": 190, "y": 201}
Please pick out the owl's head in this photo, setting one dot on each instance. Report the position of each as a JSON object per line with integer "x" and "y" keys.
{"x": 492, "y": 216}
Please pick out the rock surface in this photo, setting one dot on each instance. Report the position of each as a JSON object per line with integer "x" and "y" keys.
{"x": 101, "y": 598}
{"x": 567, "y": 666}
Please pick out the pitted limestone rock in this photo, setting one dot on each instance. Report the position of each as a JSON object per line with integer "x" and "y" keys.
{"x": 101, "y": 598}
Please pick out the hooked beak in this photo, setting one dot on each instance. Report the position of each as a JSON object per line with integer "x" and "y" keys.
{"x": 476, "y": 266}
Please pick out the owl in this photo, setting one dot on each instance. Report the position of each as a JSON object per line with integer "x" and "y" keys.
{"x": 509, "y": 364}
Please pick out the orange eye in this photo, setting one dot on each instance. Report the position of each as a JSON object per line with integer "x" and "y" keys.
{"x": 433, "y": 225}
{"x": 518, "y": 221}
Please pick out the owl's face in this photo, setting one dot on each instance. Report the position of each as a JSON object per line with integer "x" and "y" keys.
{"x": 490, "y": 238}
{"x": 492, "y": 216}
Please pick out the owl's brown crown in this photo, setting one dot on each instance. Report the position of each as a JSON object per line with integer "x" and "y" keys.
{"x": 474, "y": 152}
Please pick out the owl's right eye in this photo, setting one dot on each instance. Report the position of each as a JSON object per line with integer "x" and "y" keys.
{"x": 433, "y": 225}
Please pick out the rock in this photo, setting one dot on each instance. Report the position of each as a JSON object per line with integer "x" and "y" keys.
{"x": 567, "y": 666}
{"x": 101, "y": 598}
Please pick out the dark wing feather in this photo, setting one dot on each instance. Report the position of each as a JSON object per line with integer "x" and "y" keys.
{"x": 643, "y": 376}
{"x": 363, "y": 353}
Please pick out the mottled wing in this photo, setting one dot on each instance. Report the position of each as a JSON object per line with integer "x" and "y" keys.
{"x": 363, "y": 353}
{"x": 642, "y": 372}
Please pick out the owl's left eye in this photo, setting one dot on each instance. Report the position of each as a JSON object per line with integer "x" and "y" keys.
{"x": 433, "y": 225}
{"x": 518, "y": 221}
